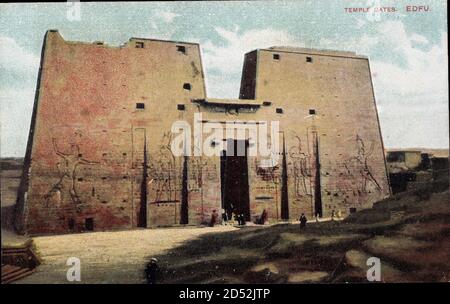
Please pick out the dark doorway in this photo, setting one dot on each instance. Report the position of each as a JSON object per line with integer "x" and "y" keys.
{"x": 317, "y": 187}
{"x": 184, "y": 210}
{"x": 284, "y": 187}
{"x": 234, "y": 179}
{"x": 142, "y": 215}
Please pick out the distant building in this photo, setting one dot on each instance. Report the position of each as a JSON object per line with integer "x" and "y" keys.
{"x": 404, "y": 160}
{"x": 99, "y": 153}
{"x": 410, "y": 169}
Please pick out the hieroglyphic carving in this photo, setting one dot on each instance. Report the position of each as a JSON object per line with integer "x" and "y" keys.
{"x": 67, "y": 167}
{"x": 268, "y": 174}
{"x": 165, "y": 173}
{"x": 367, "y": 180}
{"x": 355, "y": 176}
{"x": 196, "y": 166}
{"x": 200, "y": 170}
{"x": 300, "y": 169}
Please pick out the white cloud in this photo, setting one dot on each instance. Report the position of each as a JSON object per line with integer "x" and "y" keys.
{"x": 414, "y": 98}
{"x": 18, "y": 73}
{"x": 161, "y": 26}
{"x": 361, "y": 45}
{"x": 163, "y": 16}
{"x": 419, "y": 38}
{"x": 15, "y": 58}
{"x": 230, "y": 57}
{"x": 425, "y": 72}
{"x": 16, "y": 107}
{"x": 222, "y": 86}
{"x": 425, "y": 69}
{"x": 167, "y": 16}
{"x": 224, "y": 62}
{"x": 410, "y": 83}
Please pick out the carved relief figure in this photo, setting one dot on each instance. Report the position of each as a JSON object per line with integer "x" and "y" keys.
{"x": 67, "y": 167}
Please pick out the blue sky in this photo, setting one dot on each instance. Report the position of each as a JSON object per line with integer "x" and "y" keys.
{"x": 408, "y": 51}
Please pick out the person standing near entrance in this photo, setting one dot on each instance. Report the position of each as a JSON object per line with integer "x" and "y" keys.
{"x": 242, "y": 219}
{"x": 224, "y": 217}
{"x": 214, "y": 217}
{"x": 151, "y": 271}
{"x": 264, "y": 217}
{"x": 303, "y": 221}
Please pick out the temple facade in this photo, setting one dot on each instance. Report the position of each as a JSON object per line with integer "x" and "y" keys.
{"x": 109, "y": 123}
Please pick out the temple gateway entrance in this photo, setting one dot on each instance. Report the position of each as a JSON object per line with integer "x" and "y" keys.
{"x": 234, "y": 178}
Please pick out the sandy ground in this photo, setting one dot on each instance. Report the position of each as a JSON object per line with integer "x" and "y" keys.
{"x": 108, "y": 257}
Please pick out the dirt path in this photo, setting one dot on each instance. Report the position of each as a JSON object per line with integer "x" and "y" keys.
{"x": 108, "y": 257}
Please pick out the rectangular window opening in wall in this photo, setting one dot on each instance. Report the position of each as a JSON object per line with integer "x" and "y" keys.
{"x": 89, "y": 224}
{"x": 312, "y": 112}
{"x": 140, "y": 105}
{"x": 187, "y": 86}
{"x": 181, "y": 107}
{"x": 181, "y": 49}
{"x": 139, "y": 45}
{"x": 279, "y": 111}
{"x": 309, "y": 59}
{"x": 276, "y": 56}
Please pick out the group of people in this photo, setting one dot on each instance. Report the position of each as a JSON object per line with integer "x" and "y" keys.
{"x": 263, "y": 219}
{"x": 238, "y": 217}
